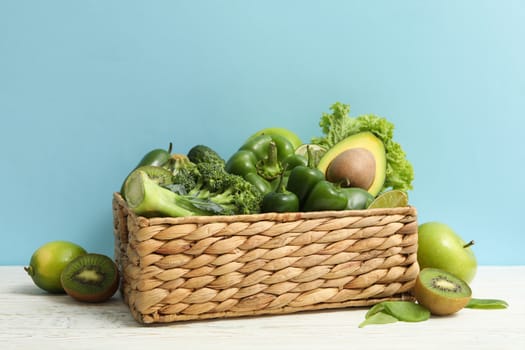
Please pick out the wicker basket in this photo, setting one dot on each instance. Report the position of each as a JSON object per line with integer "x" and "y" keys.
{"x": 176, "y": 269}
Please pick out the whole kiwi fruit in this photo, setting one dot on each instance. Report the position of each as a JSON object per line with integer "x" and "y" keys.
{"x": 91, "y": 278}
{"x": 441, "y": 292}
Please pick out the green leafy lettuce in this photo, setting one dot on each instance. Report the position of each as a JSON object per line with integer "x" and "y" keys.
{"x": 339, "y": 125}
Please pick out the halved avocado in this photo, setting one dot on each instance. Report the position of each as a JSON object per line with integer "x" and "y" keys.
{"x": 357, "y": 161}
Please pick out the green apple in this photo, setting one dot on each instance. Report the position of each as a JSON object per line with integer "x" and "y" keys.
{"x": 440, "y": 247}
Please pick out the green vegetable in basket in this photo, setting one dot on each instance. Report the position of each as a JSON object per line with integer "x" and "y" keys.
{"x": 357, "y": 198}
{"x": 147, "y": 198}
{"x": 260, "y": 160}
{"x": 158, "y": 157}
{"x": 233, "y": 193}
{"x": 303, "y": 178}
{"x": 325, "y": 196}
{"x": 204, "y": 154}
{"x": 313, "y": 191}
{"x": 191, "y": 189}
{"x": 280, "y": 200}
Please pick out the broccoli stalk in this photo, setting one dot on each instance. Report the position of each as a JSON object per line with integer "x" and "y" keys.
{"x": 145, "y": 197}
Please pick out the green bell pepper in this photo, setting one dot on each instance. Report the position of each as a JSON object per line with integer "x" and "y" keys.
{"x": 280, "y": 200}
{"x": 325, "y": 196}
{"x": 302, "y": 179}
{"x": 293, "y": 161}
{"x": 260, "y": 160}
{"x": 358, "y": 198}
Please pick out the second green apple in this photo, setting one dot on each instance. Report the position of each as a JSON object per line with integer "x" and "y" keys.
{"x": 439, "y": 246}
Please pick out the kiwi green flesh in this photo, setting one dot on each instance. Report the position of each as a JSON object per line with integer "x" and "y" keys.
{"x": 441, "y": 292}
{"x": 91, "y": 278}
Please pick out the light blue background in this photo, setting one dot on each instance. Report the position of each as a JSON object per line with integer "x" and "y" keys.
{"x": 87, "y": 87}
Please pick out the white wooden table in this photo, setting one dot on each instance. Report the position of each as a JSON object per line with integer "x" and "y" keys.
{"x": 32, "y": 319}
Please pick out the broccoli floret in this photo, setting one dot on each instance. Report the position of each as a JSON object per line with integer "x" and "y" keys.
{"x": 185, "y": 174}
{"x": 204, "y": 154}
{"x": 240, "y": 196}
{"x": 232, "y": 192}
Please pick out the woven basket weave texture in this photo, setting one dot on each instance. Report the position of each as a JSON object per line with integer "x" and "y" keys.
{"x": 176, "y": 269}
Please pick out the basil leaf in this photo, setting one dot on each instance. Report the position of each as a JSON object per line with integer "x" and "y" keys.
{"x": 406, "y": 311}
{"x": 378, "y": 318}
{"x": 375, "y": 309}
{"x": 388, "y": 311}
{"x": 487, "y": 304}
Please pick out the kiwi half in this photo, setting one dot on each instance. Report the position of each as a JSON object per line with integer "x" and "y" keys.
{"x": 441, "y": 292}
{"x": 90, "y": 277}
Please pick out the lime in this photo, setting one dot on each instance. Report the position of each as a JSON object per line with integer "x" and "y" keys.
{"x": 390, "y": 199}
{"x": 316, "y": 152}
{"x": 48, "y": 261}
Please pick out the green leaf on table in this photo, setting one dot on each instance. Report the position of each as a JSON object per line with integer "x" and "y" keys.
{"x": 487, "y": 304}
{"x": 406, "y": 311}
{"x": 378, "y": 318}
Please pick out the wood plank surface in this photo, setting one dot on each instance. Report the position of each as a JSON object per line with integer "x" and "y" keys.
{"x": 32, "y": 319}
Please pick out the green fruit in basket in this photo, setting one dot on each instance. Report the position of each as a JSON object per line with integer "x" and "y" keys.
{"x": 358, "y": 161}
{"x": 91, "y": 278}
{"x": 440, "y": 292}
{"x": 390, "y": 199}
{"x": 48, "y": 262}
{"x": 291, "y": 136}
{"x": 440, "y": 247}
{"x": 311, "y": 152}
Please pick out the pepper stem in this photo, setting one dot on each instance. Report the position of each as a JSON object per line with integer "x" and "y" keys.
{"x": 310, "y": 157}
{"x": 469, "y": 244}
{"x": 270, "y": 168}
{"x": 281, "y": 188}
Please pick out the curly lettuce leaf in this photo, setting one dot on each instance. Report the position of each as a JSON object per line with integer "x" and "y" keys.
{"x": 335, "y": 125}
{"x": 338, "y": 125}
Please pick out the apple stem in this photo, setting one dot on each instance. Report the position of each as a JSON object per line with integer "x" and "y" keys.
{"x": 471, "y": 243}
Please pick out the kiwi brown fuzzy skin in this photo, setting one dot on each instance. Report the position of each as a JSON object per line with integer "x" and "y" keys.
{"x": 437, "y": 303}
{"x": 92, "y": 295}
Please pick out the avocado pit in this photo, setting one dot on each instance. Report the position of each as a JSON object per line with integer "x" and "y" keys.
{"x": 355, "y": 167}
